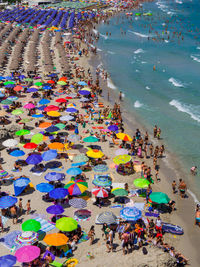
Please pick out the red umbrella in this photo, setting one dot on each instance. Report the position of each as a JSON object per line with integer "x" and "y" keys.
{"x": 18, "y": 88}
{"x": 99, "y": 192}
{"x": 68, "y": 97}
{"x": 51, "y": 82}
{"x": 61, "y": 100}
{"x": 30, "y": 146}
{"x": 51, "y": 108}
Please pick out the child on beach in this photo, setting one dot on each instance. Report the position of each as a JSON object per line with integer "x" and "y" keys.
{"x": 28, "y": 206}
{"x": 174, "y": 187}
{"x": 20, "y": 206}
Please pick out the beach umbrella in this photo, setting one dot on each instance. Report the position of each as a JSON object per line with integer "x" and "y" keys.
{"x": 94, "y": 153}
{"x": 44, "y": 187}
{"x": 54, "y": 176}
{"x": 66, "y": 224}
{"x": 78, "y": 203}
{"x": 58, "y": 193}
{"x": 20, "y": 184}
{"x": 29, "y": 106}
{"x": 34, "y": 159}
{"x": 130, "y": 214}
{"x": 121, "y": 151}
{"x": 113, "y": 128}
{"x": 7, "y": 201}
{"x": 78, "y": 164}
{"x": 124, "y": 137}
{"x": 56, "y": 239}
{"x": 76, "y": 187}
{"x": 3, "y": 173}
{"x": 10, "y": 143}
{"x": 38, "y": 115}
{"x": 100, "y": 192}
{"x": 49, "y": 155}
{"x": 27, "y": 253}
{"x": 17, "y": 112}
{"x": 61, "y": 83}
{"x": 71, "y": 110}
{"x": 82, "y": 215}
{"x": 60, "y": 126}
{"x": 18, "y": 88}
{"x": 100, "y": 168}
{"x": 12, "y": 98}
{"x": 17, "y": 153}
{"x": 53, "y": 114}
{"x": 7, "y": 260}
{"x": 90, "y": 139}
{"x": 61, "y": 100}
{"x": 31, "y": 225}
{"x": 37, "y": 138}
{"x": 45, "y": 125}
{"x": 22, "y": 132}
{"x": 30, "y": 145}
{"x": 51, "y": 82}
{"x": 141, "y": 183}
{"x": 82, "y": 83}
{"x": 119, "y": 192}
{"x": 26, "y": 238}
{"x": 159, "y": 197}
{"x": 84, "y": 92}
{"x": 74, "y": 138}
{"x": 28, "y": 79}
{"x": 102, "y": 181}
{"x": 52, "y": 129}
{"x": 6, "y": 102}
{"x": 25, "y": 120}
{"x": 74, "y": 171}
{"x": 44, "y": 101}
{"x": 47, "y": 87}
{"x": 9, "y": 82}
{"x": 56, "y": 145}
{"x": 38, "y": 84}
{"x": 32, "y": 90}
{"x": 81, "y": 158}
{"x": 51, "y": 108}
{"x": 55, "y": 209}
{"x": 66, "y": 118}
{"x": 122, "y": 159}
{"x": 106, "y": 217}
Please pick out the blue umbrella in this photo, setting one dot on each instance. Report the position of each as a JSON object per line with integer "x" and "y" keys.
{"x": 49, "y": 155}
{"x": 74, "y": 171}
{"x": 102, "y": 180}
{"x": 20, "y": 184}
{"x": 71, "y": 110}
{"x": 31, "y": 90}
{"x": 55, "y": 209}
{"x": 52, "y": 129}
{"x": 44, "y": 187}
{"x": 46, "y": 87}
{"x": 130, "y": 214}
{"x": 2, "y": 95}
{"x": 113, "y": 128}
{"x": 17, "y": 153}
{"x": 7, "y": 261}
{"x": 9, "y": 85}
{"x": 78, "y": 164}
{"x": 34, "y": 159}
{"x": 7, "y": 201}
{"x": 53, "y": 165}
{"x": 82, "y": 83}
{"x": 54, "y": 176}
{"x": 37, "y": 115}
{"x": 100, "y": 168}
{"x": 41, "y": 108}
{"x": 44, "y": 101}
{"x": 84, "y": 92}
{"x": 58, "y": 193}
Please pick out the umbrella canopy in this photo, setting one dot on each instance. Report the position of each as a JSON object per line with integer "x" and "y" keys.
{"x": 107, "y": 217}
{"x": 29, "y": 106}
{"x": 27, "y": 253}
{"x": 3, "y": 173}
{"x": 80, "y": 158}
{"x": 90, "y": 139}
{"x": 54, "y": 176}
{"x": 44, "y": 187}
{"x": 76, "y": 188}
{"x": 17, "y": 112}
{"x": 61, "y": 100}
{"x": 71, "y": 110}
{"x": 78, "y": 203}
{"x": 82, "y": 215}
{"x": 124, "y": 137}
{"x": 66, "y": 118}
{"x": 55, "y": 209}
{"x": 66, "y": 224}
{"x": 94, "y": 153}
{"x": 52, "y": 129}
{"x": 20, "y": 184}
{"x": 7, "y": 260}
{"x": 44, "y": 101}
{"x": 102, "y": 180}
{"x": 121, "y": 151}
{"x": 56, "y": 239}
{"x": 10, "y": 143}
{"x": 17, "y": 153}
{"x": 30, "y": 145}
{"x": 100, "y": 168}
{"x": 7, "y": 201}
{"x": 22, "y": 132}
{"x": 141, "y": 183}
{"x": 49, "y": 155}
{"x": 58, "y": 193}
{"x": 159, "y": 197}
{"x": 45, "y": 124}
{"x": 60, "y": 126}
{"x": 122, "y": 159}
{"x": 61, "y": 83}
{"x": 100, "y": 192}
{"x": 27, "y": 238}
{"x": 56, "y": 145}
{"x": 73, "y": 138}
{"x": 113, "y": 128}
{"x": 37, "y": 138}
{"x": 130, "y": 213}
{"x": 53, "y": 114}
{"x": 31, "y": 225}
{"x": 34, "y": 159}
{"x": 74, "y": 171}
{"x": 119, "y": 192}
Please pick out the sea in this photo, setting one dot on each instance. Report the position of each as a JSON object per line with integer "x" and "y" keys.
{"x": 153, "y": 57}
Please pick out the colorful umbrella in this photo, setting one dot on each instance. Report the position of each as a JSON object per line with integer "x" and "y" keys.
{"x": 52, "y": 129}
{"x": 124, "y": 137}
{"x": 44, "y": 101}
{"x": 94, "y": 153}
{"x": 76, "y": 188}
{"x": 58, "y": 193}
{"x": 7, "y": 201}
{"x": 29, "y": 106}
{"x": 61, "y": 83}
{"x": 159, "y": 197}
{"x": 119, "y": 192}
{"x": 54, "y": 176}
{"x": 17, "y": 112}
{"x": 122, "y": 159}
{"x": 3, "y": 173}
{"x": 66, "y": 118}
{"x": 66, "y": 224}
{"x": 6, "y": 102}
{"x": 22, "y": 132}
{"x": 100, "y": 192}
{"x": 78, "y": 203}
{"x": 90, "y": 139}
{"x": 141, "y": 183}
{"x": 100, "y": 168}
{"x": 74, "y": 171}
{"x": 56, "y": 239}
{"x": 60, "y": 126}
{"x": 113, "y": 128}
{"x": 102, "y": 180}
{"x": 30, "y": 145}
{"x": 49, "y": 155}
{"x": 130, "y": 213}
{"x": 31, "y": 225}
{"x": 73, "y": 138}
{"x": 27, "y": 238}
{"x": 61, "y": 100}
{"x": 44, "y": 187}
{"x": 7, "y": 260}
{"x": 106, "y": 217}
{"x": 45, "y": 125}
{"x": 27, "y": 253}
{"x": 80, "y": 158}
{"x": 55, "y": 209}
{"x": 38, "y": 84}
{"x": 51, "y": 108}
{"x": 82, "y": 215}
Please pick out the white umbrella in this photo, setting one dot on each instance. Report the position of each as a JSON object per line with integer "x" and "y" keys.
{"x": 10, "y": 143}
{"x": 66, "y": 118}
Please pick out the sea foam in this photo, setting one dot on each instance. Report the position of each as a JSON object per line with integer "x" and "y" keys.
{"x": 139, "y": 34}
{"x": 138, "y": 104}
{"x": 139, "y": 51}
{"x": 110, "y": 84}
{"x": 195, "y": 58}
{"x": 175, "y": 82}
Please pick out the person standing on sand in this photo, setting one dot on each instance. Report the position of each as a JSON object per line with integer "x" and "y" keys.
{"x": 182, "y": 188}
{"x": 174, "y": 186}
{"x": 120, "y": 96}
{"x": 28, "y": 206}
{"x": 13, "y": 212}
{"x": 91, "y": 234}
{"x": 155, "y": 131}
{"x": 1, "y": 224}
{"x": 197, "y": 216}
{"x": 109, "y": 241}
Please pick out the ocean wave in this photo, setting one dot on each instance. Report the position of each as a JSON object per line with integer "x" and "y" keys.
{"x": 95, "y": 31}
{"x": 175, "y": 82}
{"x": 138, "y": 51}
{"x": 188, "y": 109}
{"x": 138, "y": 104}
{"x": 195, "y": 58}
{"x": 193, "y": 196}
{"x": 198, "y": 47}
{"x": 110, "y": 84}
{"x": 139, "y": 34}
{"x": 111, "y": 52}
{"x": 179, "y": 2}
{"x": 104, "y": 36}
{"x": 148, "y": 88}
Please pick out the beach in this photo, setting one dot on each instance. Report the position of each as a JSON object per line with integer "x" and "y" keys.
{"x": 51, "y": 45}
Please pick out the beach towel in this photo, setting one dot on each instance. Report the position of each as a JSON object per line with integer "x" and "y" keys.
{"x": 45, "y": 225}
{"x": 8, "y": 240}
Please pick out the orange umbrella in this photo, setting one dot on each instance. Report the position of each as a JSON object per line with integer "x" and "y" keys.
{"x": 63, "y": 79}
{"x": 53, "y": 114}
{"x": 45, "y": 125}
{"x": 56, "y": 145}
{"x": 56, "y": 239}
{"x": 18, "y": 88}
{"x": 51, "y": 82}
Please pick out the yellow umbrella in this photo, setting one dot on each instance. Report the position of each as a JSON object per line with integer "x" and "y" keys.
{"x": 53, "y": 114}
{"x": 86, "y": 89}
{"x": 122, "y": 159}
{"x": 94, "y": 153}
{"x": 56, "y": 145}
{"x": 124, "y": 137}
{"x": 56, "y": 239}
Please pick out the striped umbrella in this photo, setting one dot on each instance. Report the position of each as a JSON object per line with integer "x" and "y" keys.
{"x": 27, "y": 238}
{"x": 78, "y": 203}
{"x": 81, "y": 158}
{"x": 7, "y": 201}
{"x": 102, "y": 180}
{"x": 130, "y": 213}
{"x": 100, "y": 192}
{"x": 3, "y": 173}
{"x": 100, "y": 168}
{"x": 76, "y": 188}
{"x": 106, "y": 217}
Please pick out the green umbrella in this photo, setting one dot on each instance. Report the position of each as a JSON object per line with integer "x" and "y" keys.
{"x": 90, "y": 139}
{"x": 142, "y": 183}
{"x": 22, "y": 132}
{"x": 25, "y": 120}
{"x": 60, "y": 126}
{"x": 38, "y": 84}
{"x": 61, "y": 83}
{"x": 159, "y": 197}
{"x": 66, "y": 224}
{"x": 37, "y": 138}
{"x": 17, "y": 112}
{"x": 81, "y": 158}
{"x": 122, "y": 159}
{"x": 119, "y": 192}
{"x": 31, "y": 225}
{"x": 28, "y": 79}
{"x": 8, "y": 82}
{"x": 6, "y": 102}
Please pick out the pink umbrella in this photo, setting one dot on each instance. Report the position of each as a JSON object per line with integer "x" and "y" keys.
{"x": 27, "y": 253}
{"x": 29, "y": 106}
{"x": 121, "y": 151}
{"x": 99, "y": 192}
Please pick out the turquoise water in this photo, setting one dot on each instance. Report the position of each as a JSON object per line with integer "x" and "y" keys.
{"x": 169, "y": 96}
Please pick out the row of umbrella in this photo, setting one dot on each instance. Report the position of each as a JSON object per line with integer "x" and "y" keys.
{"x": 32, "y": 51}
